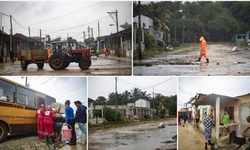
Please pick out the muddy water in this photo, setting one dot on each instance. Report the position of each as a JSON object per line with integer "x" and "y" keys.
{"x": 135, "y": 140}
{"x": 180, "y": 62}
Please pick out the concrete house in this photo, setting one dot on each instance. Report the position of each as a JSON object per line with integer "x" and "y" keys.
{"x": 242, "y": 37}
{"x": 142, "y": 103}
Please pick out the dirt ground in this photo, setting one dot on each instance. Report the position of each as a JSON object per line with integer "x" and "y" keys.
{"x": 101, "y": 66}
{"x": 179, "y": 62}
{"x": 139, "y": 137}
{"x": 189, "y": 139}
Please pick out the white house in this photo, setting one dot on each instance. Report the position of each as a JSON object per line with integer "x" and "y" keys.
{"x": 144, "y": 20}
{"x": 142, "y": 103}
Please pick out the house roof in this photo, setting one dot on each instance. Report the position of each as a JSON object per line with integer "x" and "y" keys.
{"x": 243, "y": 95}
{"x": 23, "y": 37}
{"x": 142, "y": 99}
{"x": 90, "y": 100}
{"x": 210, "y": 99}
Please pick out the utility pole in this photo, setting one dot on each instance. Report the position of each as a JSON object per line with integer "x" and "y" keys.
{"x": 174, "y": 27}
{"x": 116, "y": 21}
{"x": 153, "y": 102}
{"x": 92, "y": 32}
{"x": 165, "y": 26}
{"x": 135, "y": 25}
{"x": 99, "y": 43}
{"x": 40, "y": 35}
{"x": 88, "y": 32}
{"x": 67, "y": 36}
{"x": 83, "y": 39}
{"x": 1, "y": 21}
{"x": 139, "y": 20}
{"x": 11, "y": 42}
{"x": 29, "y": 37}
{"x": 116, "y": 100}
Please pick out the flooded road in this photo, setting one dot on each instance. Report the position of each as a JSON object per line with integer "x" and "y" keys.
{"x": 101, "y": 66}
{"x": 179, "y": 62}
{"x": 135, "y": 137}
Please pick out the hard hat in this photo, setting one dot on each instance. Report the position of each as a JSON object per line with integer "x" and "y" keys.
{"x": 48, "y": 107}
{"x": 41, "y": 105}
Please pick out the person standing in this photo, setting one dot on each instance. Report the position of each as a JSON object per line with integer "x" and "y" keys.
{"x": 49, "y": 124}
{"x": 225, "y": 118}
{"x": 40, "y": 117}
{"x": 197, "y": 120}
{"x": 81, "y": 119}
{"x": 70, "y": 121}
{"x": 58, "y": 126}
{"x": 208, "y": 122}
{"x": 203, "y": 49}
{"x": 105, "y": 50}
{"x": 185, "y": 117}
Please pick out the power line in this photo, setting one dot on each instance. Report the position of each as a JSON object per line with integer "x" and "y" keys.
{"x": 159, "y": 83}
{"x": 104, "y": 88}
{"x": 67, "y": 14}
{"x": 19, "y": 23}
{"x": 71, "y": 90}
{"x": 44, "y": 82}
{"x": 100, "y": 85}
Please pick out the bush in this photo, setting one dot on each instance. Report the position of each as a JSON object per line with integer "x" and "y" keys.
{"x": 109, "y": 114}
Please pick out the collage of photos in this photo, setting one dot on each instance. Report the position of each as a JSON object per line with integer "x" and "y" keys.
{"x": 124, "y": 75}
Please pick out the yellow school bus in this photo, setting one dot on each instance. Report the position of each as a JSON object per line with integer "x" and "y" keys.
{"x": 18, "y": 106}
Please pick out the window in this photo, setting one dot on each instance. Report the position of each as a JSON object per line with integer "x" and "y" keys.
{"x": 134, "y": 112}
{"x": 6, "y": 91}
{"x": 244, "y": 37}
{"x": 50, "y": 100}
{"x": 238, "y": 37}
{"x": 25, "y": 96}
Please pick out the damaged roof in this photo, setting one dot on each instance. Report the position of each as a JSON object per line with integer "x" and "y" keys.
{"x": 210, "y": 99}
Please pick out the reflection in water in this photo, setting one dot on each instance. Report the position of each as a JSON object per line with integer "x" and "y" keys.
{"x": 149, "y": 139}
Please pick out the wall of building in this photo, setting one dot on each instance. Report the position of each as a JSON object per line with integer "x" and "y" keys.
{"x": 244, "y": 112}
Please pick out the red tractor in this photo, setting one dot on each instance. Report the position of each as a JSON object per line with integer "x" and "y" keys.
{"x": 62, "y": 55}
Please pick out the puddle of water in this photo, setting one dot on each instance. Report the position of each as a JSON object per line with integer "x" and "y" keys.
{"x": 149, "y": 139}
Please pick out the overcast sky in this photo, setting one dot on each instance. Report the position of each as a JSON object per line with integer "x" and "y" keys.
{"x": 102, "y": 86}
{"x": 57, "y": 17}
{"x": 229, "y": 86}
{"x": 61, "y": 88}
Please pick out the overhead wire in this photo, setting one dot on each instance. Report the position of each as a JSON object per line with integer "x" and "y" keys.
{"x": 67, "y": 14}
{"x": 44, "y": 82}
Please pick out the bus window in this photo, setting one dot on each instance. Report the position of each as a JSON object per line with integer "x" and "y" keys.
{"x": 6, "y": 91}
{"x": 25, "y": 96}
{"x": 41, "y": 101}
{"x": 50, "y": 100}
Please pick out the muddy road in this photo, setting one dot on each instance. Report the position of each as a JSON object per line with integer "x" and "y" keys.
{"x": 101, "y": 66}
{"x": 179, "y": 62}
{"x": 135, "y": 137}
{"x": 190, "y": 139}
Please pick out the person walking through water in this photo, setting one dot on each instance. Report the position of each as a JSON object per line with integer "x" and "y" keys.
{"x": 203, "y": 49}
{"x": 208, "y": 122}
{"x": 40, "y": 116}
{"x": 70, "y": 120}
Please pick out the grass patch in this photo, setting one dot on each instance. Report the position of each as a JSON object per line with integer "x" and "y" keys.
{"x": 217, "y": 42}
{"x": 244, "y": 43}
{"x": 142, "y": 64}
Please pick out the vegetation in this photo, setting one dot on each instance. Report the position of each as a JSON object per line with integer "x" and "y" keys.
{"x": 110, "y": 114}
{"x": 89, "y": 40}
{"x": 71, "y": 40}
{"x": 159, "y": 102}
{"x": 217, "y": 21}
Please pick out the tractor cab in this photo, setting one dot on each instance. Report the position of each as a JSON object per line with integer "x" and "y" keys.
{"x": 61, "y": 47}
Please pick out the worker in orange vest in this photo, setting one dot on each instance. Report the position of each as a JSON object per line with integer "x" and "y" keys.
{"x": 105, "y": 50}
{"x": 49, "y": 124}
{"x": 40, "y": 116}
{"x": 203, "y": 49}
{"x": 48, "y": 51}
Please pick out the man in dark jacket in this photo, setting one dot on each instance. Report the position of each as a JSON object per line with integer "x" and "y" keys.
{"x": 81, "y": 119}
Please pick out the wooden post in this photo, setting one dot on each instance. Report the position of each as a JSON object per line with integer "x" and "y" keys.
{"x": 217, "y": 132}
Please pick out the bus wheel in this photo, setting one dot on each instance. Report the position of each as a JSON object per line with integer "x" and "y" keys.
{"x": 3, "y": 132}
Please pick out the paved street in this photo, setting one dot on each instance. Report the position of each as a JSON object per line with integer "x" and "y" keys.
{"x": 101, "y": 66}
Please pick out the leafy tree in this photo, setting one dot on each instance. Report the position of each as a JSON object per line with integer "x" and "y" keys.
{"x": 89, "y": 40}
{"x": 99, "y": 101}
{"x": 110, "y": 114}
{"x": 71, "y": 40}
{"x": 58, "y": 38}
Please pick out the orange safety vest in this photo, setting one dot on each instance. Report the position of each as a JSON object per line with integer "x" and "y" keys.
{"x": 105, "y": 49}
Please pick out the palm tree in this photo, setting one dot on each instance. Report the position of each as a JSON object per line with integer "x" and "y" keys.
{"x": 135, "y": 94}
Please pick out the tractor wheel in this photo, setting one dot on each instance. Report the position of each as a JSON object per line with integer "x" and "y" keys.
{"x": 40, "y": 65}
{"x": 3, "y": 132}
{"x": 89, "y": 62}
{"x": 24, "y": 63}
{"x": 84, "y": 64}
{"x": 66, "y": 65}
{"x": 56, "y": 62}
